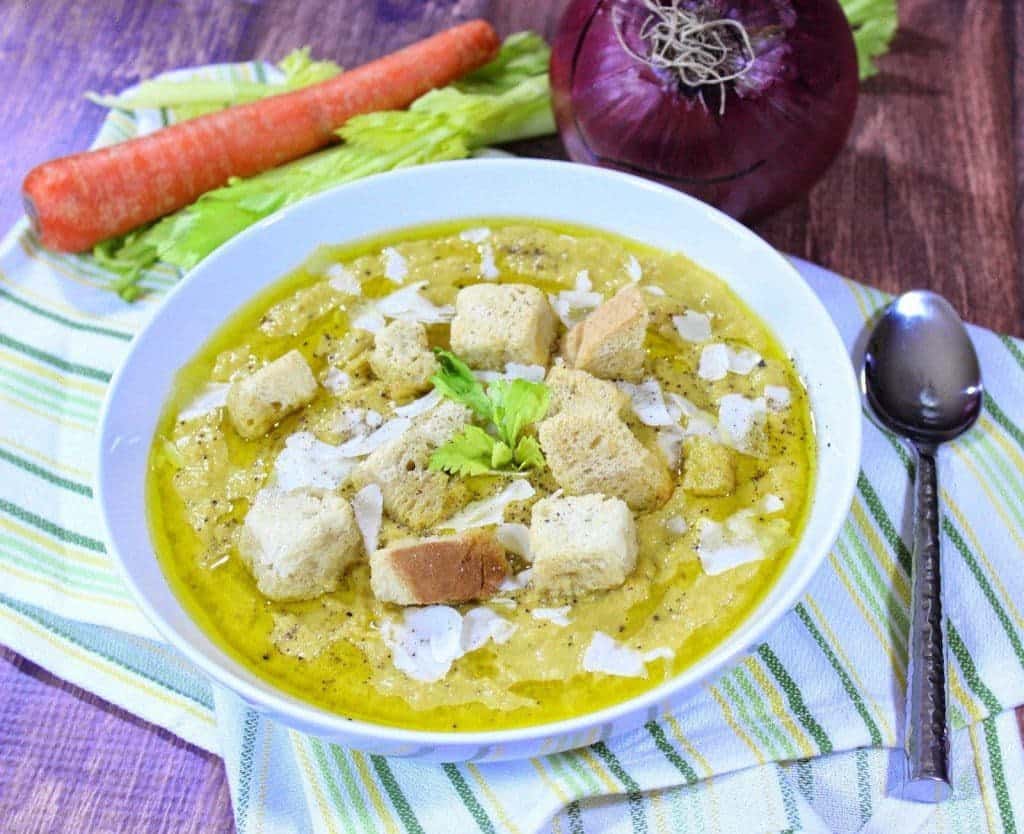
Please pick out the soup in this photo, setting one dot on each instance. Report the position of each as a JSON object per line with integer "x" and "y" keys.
{"x": 481, "y": 475}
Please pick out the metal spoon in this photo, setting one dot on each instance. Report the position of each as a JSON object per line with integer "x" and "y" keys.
{"x": 922, "y": 380}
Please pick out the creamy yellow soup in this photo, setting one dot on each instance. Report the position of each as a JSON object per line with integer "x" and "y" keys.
{"x": 330, "y": 651}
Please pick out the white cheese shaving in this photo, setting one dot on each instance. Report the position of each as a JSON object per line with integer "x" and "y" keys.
{"x": 368, "y": 506}
{"x": 409, "y": 305}
{"x": 670, "y": 441}
{"x": 336, "y": 381}
{"x": 368, "y": 318}
{"x": 569, "y": 304}
{"x": 714, "y": 362}
{"x": 743, "y": 360}
{"x": 356, "y": 422}
{"x": 692, "y": 326}
{"x": 427, "y": 641}
{"x": 633, "y": 269}
{"x": 613, "y": 658}
{"x": 490, "y": 510}
{"x": 516, "y": 583}
{"x": 488, "y": 268}
{"x": 515, "y": 538}
{"x": 778, "y": 397}
{"x": 364, "y": 445}
{"x": 419, "y": 406}
{"x": 213, "y": 396}
{"x": 771, "y": 504}
{"x": 396, "y": 268}
{"x": 737, "y": 417}
{"x": 513, "y": 370}
{"x": 583, "y": 282}
{"x": 306, "y": 461}
{"x": 648, "y": 402}
{"x": 343, "y": 280}
{"x": 476, "y": 235}
{"x": 698, "y": 422}
{"x": 722, "y": 548}
{"x": 677, "y": 524}
{"x": 653, "y": 290}
{"x": 558, "y": 616}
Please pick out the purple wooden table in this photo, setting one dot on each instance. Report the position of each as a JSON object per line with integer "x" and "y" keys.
{"x": 928, "y": 193}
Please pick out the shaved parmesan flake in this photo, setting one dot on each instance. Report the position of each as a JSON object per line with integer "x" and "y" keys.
{"x": 772, "y": 504}
{"x": 677, "y": 524}
{"x": 612, "y": 658}
{"x": 692, "y": 326}
{"x": 427, "y": 641}
{"x": 583, "y": 282}
{"x": 361, "y": 446}
{"x": 670, "y": 441}
{"x": 409, "y": 305}
{"x": 336, "y": 381}
{"x": 368, "y": 318}
{"x": 513, "y": 370}
{"x": 306, "y": 461}
{"x": 648, "y": 402}
{"x": 213, "y": 396}
{"x": 714, "y": 362}
{"x": 419, "y": 406}
{"x": 477, "y": 235}
{"x": 489, "y": 510}
{"x": 698, "y": 422}
{"x": 368, "y": 506}
{"x": 481, "y": 625}
{"x": 558, "y": 616}
{"x": 356, "y": 422}
{"x": 515, "y": 538}
{"x": 517, "y": 582}
{"x": 738, "y": 417}
{"x": 653, "y": 290}
{"x": 743, "y": 360}
{"x": 741, "y": 538}
{"x": 568, "y": 304}
{"x": 395, "y": 266}
{"x": 778, "y": 397}
{"x": 633, "y": 269}
{"x": 343, "y": 281}
{"x": 488, "y": 268}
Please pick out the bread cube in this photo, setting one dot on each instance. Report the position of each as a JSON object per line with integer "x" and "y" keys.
{"x": 598, "y": 453}
{"x": 402, "y": 359}
{"x": 580, "y": 392}
{"x": 609, "y": 343}
{"x": 708, "y": 467}
{"x": 261, "y": 400}
{"x": 452, "y": 569}
{"x": 413, "y": 495}
{"x": 496, "y": 324}
{"x": 299, "y": 544}
{"x": 581, "y": 543}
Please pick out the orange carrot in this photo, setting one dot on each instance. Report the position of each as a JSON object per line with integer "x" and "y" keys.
{"x": 77, "y": 201}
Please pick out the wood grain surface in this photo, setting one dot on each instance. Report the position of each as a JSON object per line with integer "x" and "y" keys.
{"x": 928, "y": 193}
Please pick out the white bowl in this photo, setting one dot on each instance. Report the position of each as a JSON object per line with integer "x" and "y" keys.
{"x": 557, "y": 191}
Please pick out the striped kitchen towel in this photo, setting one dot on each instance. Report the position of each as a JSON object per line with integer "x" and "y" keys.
{"x": 800, "y": 736}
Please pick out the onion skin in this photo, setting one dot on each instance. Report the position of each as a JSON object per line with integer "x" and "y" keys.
{"x": 777, "y": 134}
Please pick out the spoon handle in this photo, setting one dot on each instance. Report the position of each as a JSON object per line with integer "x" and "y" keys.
{"x": 927, "y": 746}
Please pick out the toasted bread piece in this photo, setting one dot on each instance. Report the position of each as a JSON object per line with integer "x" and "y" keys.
{"x": 709, "y": 468}
{"x": 299, "y": 544}
{"x": 578, "y": 391}
{"x": 452, "y": 569}
{"x": 496, "y": 324}
{"x": 609, "y": 343}
{"x": 581, "y": 543}
{"x": 259, "y": 401}
{"x": 598, "y": 453}
{"x": 402, "y": 359}
{"x": 413, "y": 495}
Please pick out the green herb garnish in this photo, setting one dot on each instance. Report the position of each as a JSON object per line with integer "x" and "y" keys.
{"x": 508, "y": 406}
{"x": 874, "y": 23}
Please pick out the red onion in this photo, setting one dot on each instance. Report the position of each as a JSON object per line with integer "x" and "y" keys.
{"x": 741, "y": 103}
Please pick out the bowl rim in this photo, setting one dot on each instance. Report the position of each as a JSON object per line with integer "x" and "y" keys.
{"x": 313, "y": 718}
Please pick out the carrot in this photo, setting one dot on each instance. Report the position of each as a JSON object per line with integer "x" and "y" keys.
{"x": 78, "y": 200}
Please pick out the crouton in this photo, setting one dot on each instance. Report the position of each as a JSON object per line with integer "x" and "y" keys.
{"x": 299, "y": 544}
{"x": 413, "y": 495}
{"x": 259, "y": 401}
{"x": 452, "y": 569}
{"x": 496, "y": 324}
{"x": 578, "y": 391}
{"x": 708, "y": 467}
{"x": 402, "y": 359}
{"x": 609, "y": 343}
{"x": 582, "y": 543}
{"x": 598, "y": 453}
